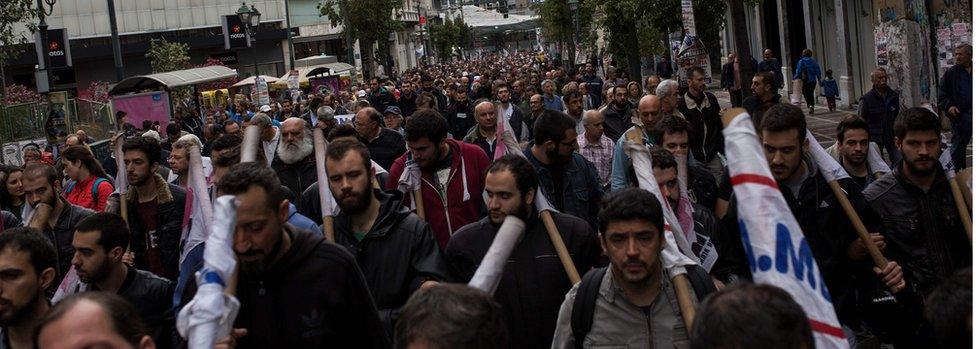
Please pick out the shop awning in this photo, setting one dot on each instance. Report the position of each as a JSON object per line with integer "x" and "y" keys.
{"x": 173, "y": 79}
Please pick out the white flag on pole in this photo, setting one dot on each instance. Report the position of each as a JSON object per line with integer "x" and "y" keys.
{"x": 775, "y": 247}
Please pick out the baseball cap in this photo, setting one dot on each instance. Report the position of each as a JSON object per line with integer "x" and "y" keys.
{"x": 392, "y": 110}
{"x": 265, "y": 108}
{"x": 361, "y": 94}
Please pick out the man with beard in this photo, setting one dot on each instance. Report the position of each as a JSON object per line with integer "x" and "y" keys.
{"x": 633, "y": 300}
{"x": 295, "y": 289}
{"x": 510, "y": 111}
{"x": 617, "y": 114}
{"x": 649, "y": 112}
{"x": 155, "y": 210}
{"x": 28, "y": 262}
{"x": 534, "y": 282}
{"x": 763, "y": 96}
{"x": 483, "y": 133}
{"x": 916, "y": 206}
{"x": 394, "y": 248}
{"x": 671, "y": 133}
{"x": 295, "y": 163}
{"x": 384, "y": 145}
{"x": 408, "y": 99}
{"x": 41, "y": 187}
{"x": 851, "y": 149}
{"x": 428, "y": 86}
{"x": 879, "y": 107}
{"x": 593, "y": 84}
{"x": 460, "y": 116}
{"x": 567, "y": 179}
{"x": 828, "y": 231}
{"x": 100, "y": 242}
{"x": 574, "y": 108}
{"x": 701, "y": 109}
{"x": 452, "y": 174}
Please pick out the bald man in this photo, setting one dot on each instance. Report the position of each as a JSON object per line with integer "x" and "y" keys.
{"x": 772, "y": 65}
{"x": 482, "y": 133}
{"x": 648, "y": 114}
{"x": 595, "y": 146}
{"x": 879, "y": 107}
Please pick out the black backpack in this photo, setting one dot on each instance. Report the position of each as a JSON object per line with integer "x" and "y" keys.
{"x": 584, "y": 305}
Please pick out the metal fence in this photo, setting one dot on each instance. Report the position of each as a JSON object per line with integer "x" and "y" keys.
{"x": 22, "y": 124}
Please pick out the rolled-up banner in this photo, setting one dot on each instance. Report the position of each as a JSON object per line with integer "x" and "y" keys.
{"x": 326, "y": 200}
{"x": 251, "y": 144}
{"x": 876, "y": 163}
{"x": 489, "y": 272}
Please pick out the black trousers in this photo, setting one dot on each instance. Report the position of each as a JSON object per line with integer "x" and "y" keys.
{"x": 808, "y": 88}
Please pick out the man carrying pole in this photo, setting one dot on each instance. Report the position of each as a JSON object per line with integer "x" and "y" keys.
{"x": 534, "y": 281}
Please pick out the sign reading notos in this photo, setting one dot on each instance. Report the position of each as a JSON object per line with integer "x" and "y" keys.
{"x": 235, "y": 33}
{"x": 57, "y": 47}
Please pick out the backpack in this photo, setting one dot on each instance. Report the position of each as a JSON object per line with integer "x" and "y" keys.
{"x": 71, "y": 186}
{"x": 581, "y": 320}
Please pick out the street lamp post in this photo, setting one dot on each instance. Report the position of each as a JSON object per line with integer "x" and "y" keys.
{"x": 42, "y": 29}
{"x": 573, "y": 5}
{"x": 251, "y": 18}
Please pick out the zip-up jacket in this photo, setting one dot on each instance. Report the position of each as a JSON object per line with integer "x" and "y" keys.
{"x": 171, "y": 206}
{"x": 705, "y": 138}
{"x": 297, "y": 177}
{"x": 459, "y": 202}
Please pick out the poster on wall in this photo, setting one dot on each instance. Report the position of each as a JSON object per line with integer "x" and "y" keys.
{"x": 152, "y": 106}
{"x": 692, "y": 53}
{"x": 325, "y": 84}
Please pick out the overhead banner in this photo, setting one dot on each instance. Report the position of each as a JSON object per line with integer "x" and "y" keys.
{"x": 235, "y": 33}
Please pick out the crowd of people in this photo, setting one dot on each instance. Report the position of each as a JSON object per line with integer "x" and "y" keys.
{"x": 397, "y": 270}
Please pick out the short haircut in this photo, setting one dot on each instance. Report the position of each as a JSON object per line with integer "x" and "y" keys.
{"x": 807, "y": 53}
{"x": 670, "y": 124}
{"x": 114, "y": 230}
{"x": 525, "y": 175}
{"x": 426, "y": 123}
{"x": 666, "y": 87}
{"x": 767, "y": 78}
{"x": 966, "y": 47}
{"x": 146, "y": 145}
{"x": 949, "y": 307}
{"x": 785, "y": 117}
{"x": 663, "y": 159}
{"x": 751, "y": 316}
{"x": 172, "y": 129}
{"x": 629, "y": 204}
{"x": 229, "y": 122}
{"x": 261, "y": 119}
{"x": 42, "y": 170}
{"x": 122, "y": 316}
{"x": 571, "y": 96}
{"x": 852, "y": 122}
{"x": 225, "y": 142}
{"x": 452, "y": 316}
{"x": 916, "y": 119}
{"x": 696, "y": 69}
{"x": 246, "y": 174}
{"x": 338, "y": 149}
{"x": 342, "y": 130}
{"x": 228, "y": 157}
{"x": 325, "y": 112}
{"x": 33, "y": 242}
{"x": 552, "y": 126}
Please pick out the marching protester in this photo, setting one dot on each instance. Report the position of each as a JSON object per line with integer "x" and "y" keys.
{"x": 879, "y": 107}
{"x": 596, "y": 147}
{"x": 394, "y": 248}
{"x": 649, "y": 112}
{"x": 751, "y": 316}
{"x": 511, "y": 112}
{"x": 852, "y": 148}
{"x": 270, "y": 135}
{"x": 701, "y": 109}
{"x": 29, "y": 264}
{"x": 956, "y": 100}
{"x": 569, "y": 181}
{"x": 155, "y": 210}
{"x": 483, "y": 133}
{"x": 93, "y": 319}
{"x": 671, "y": 134}
{"x": 534, "y": 281}
{"x": 295, "y": 162}
{"x": 89, "y": 186}
{"x": 384, "y": 144}
{"x": 460, "y": 116}
{"x": 451, "y": 316}
{"x": 452, "y": 175}
{"x": 764, "y": 95}
{"x": 12, "y": 198}
{"x": 617, "y": 114}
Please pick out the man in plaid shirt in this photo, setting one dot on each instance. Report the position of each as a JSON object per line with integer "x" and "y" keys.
{"x": 595, "y": 147}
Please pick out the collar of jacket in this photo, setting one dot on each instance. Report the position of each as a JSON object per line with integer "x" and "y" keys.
{"x": 691, "y": 104}
{"x": 163, "y": 195}
{"x": 571, "y": 166}
{"x": 610, "y": 290}
{"x": 912, "y": 187}
{"x": 391, "y": 212}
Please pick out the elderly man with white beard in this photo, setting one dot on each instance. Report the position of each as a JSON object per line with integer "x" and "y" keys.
{"x": 294, "y": 160}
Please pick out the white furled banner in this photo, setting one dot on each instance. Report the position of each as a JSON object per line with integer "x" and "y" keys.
{"x": 775, "y": 247}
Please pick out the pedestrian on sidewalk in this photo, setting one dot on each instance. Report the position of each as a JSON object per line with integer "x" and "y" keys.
{"x": 828, "y": 88}
{"x": 808, "y": 71}
{"x": 955, "y": 98}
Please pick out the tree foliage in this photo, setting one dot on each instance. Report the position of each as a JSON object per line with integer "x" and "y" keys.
{"x": 557, "y": 20}
{"x": 167, "y": 56}
{"x": 12, "y": 41}
{"x": 449, "y": 35}
{"x": 371, "y": 22}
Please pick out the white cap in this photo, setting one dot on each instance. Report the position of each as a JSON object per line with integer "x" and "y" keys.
{"x": 361, "y": 94}
{"x": 265, "y": 108}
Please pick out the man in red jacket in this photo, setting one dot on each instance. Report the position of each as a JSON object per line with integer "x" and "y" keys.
{"x": 452, "y": 174}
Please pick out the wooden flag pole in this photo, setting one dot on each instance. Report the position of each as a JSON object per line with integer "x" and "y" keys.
{"x": 328, "y": 226}
{"x": 961, "y": 206}
{"x": 561, "y": 251}
{"x": 862, "y": 232}
{"x": 418, "y": 199}
{"x": 963, "y": 178}
{"x": 682, "y": 290}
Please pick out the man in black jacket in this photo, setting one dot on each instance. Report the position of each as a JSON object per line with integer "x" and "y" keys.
{"x": 155, "y": 210}
{"x": 616, "y": 116}
{"x": 296, "y": 290}
{"x": 534, "y": 282}
{"x": 460, "y": 116}
{"x": 763, "y": 96}
{"x": 701, "y": 109}
{"x": 956, "y": 99}
{"x": 825, "y": 225}
{"x": 295, "y": 163}
{"x": 100, "y": 242}
{"x": 879, "y": 107}
{"x": 671, "y": 133}
{"x": 385, "y": 145}
{"x": 394, "y": 248}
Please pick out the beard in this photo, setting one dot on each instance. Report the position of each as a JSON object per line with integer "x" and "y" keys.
{"x": 293, "y": 152}
{"x": 919, "y": 170}
{"x": 354, "y": 202}
{"x": 15, "y": 315}
{"x": 557, "y": 158}
{"x": 522, "y": 212}
{"x": 97, "y": 274}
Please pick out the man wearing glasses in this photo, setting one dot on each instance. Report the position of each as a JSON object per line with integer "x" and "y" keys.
{"x": 384, "y": 145}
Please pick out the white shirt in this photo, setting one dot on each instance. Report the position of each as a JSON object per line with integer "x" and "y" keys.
{"x": 270, "y": 147}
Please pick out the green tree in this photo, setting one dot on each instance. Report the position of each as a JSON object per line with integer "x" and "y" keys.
{"x": 167, "y": 56}
{"x": 372, "y": 24}
{"x": 12, "y": 41}
{"x": 557, "y": 21}
{"x": 448, "y": 35}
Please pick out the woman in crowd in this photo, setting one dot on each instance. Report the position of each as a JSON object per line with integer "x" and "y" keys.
{"x": 12, "y": 190}
{"x": 88, "y": 185}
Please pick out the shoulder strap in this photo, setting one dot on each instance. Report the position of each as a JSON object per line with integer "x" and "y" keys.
{"x": 585, "y": 304}
{"x": 700, "y": 281}
{"x": 69, "y": 187}
{"x": 98, "y": 181}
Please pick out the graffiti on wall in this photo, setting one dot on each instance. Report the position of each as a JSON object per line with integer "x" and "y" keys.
{"x": 900, "y": 49}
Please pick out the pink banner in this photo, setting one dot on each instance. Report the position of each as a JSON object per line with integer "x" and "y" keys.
{"x": 144, "y": 106}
